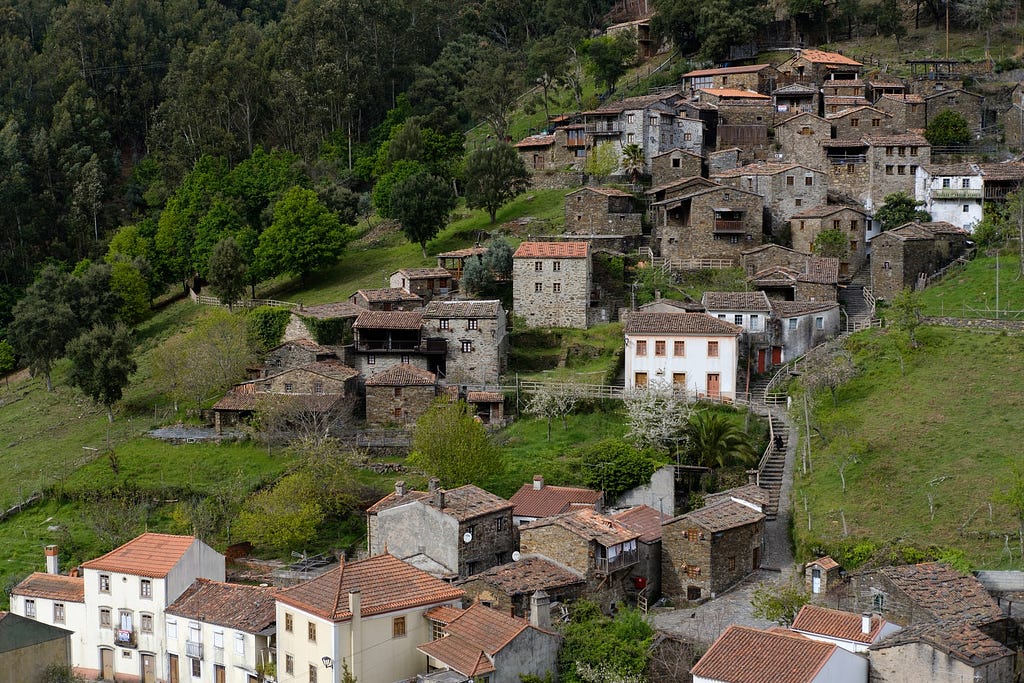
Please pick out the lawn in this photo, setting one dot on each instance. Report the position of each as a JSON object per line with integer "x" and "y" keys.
{"x": 970, "y": 292}
{"x": 934, "y": 448}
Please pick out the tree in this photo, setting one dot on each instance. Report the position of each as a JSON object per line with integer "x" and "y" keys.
{"x": 226, "y": 271}
{"x": 779, "y": 603}
{"x": 900, "y": 208}
{"x": 889, "y": 21}
{"x": 494, "y": 175}
{"x": 43, "y": 322}
{"x": 906, "y": 313}
{"x": 451, "y": 445}
{"x": 499, "y": 258}
{"x": 602, "y": 160}
{"x": 101, "y": 363}
{"x": 600, "y": 649}
{"x": 7, "y": 359}
{"x": 491, "y": 90}
{"x": 655, "y": 415}
{"x": 284, "y": 517}
{"x": 422, "y": 203}
{"x": 608, "y": 57}
{"x": 554, "y": 400}
{"x": 546, "y": 61}
{"x": 948, "y": 128}
{"x": 633, "y": 162}
{"x": 304, "y": 237}
{"x": 716, "y": 441}
{"x": 476, "y": 276}
{"x": 614, "y": 466}
{"x": 831, "y": 243}
{"x": 129, "y": 283}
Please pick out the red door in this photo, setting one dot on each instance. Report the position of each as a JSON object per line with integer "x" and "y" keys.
{"x": 762, "y": 356}
{"x": 776, "y": 355}
{"x": 714, "y": 384}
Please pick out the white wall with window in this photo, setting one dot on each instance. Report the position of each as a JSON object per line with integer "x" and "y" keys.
{"x": 201, "y": 648}
{"x": 704, "y": 364}
{"x": 954, "y": 194}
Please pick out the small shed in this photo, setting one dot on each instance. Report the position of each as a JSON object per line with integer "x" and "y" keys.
{"x": 489, "y": 406}
{"x": 820, "y": 574}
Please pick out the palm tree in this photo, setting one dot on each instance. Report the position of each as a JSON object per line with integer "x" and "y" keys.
{"x": 633, "y": 161}
{"x": 717, "y": 442}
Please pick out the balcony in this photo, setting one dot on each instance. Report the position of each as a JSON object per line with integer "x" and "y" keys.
{"x": 844, "y": 159}
{"x": 956, "y": 193}
{"x": 125, "y": 638}
{"x": 730, "y": 227}
{"x": 608, "y": 128}
{"x": 193, "y": 649}
{"x": 427, "y": 347}
{"x": 626, "y": 558}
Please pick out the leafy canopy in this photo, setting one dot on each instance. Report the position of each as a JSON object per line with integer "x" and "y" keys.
{"x": 494, "y": 176}
{"x": 900, "y": 208}
{"x": 614, "y": 466}
{"x": 304, "y": 237}
{"x": 101, "y": 363}
{"x": 948, "y": 128}
{"x": 451, "y": 445}
{"x": 422, "y": 203}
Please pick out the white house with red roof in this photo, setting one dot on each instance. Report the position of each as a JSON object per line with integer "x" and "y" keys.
{"x": 55, "y": 599}
{"x": 536, "y": 500}
{"x": 369, "y": 616}
{"x": 853, "y": 632}
{"x": 126, "y": 594}
{"x": 551, "y": 283}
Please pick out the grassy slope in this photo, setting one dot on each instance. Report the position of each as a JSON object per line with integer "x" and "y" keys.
{"x": 971, "y": 292}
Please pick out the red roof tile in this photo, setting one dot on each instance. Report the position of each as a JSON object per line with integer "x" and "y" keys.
{"x": 443, "y": 613}
{"x": 590, "y": 525}
{"x": 823, "y": 57}
{"x": 836, "y": 624}
{"x": 553, "y": 250}
{"x": 251, "y": 609}
{"x": 733, "y": 93}
{"x": 386, "y": 584}
{"x": 550, "y": 500}
{"x": 459, "y": 654}
{"x": 389, "y": 320}
{"x": 526, "y": 576}
{"x": 679, "y": 323}
{"x": 52, "y": 586}
{"x": 150, "y": 554}
{"x": 484, "y": 397}
{"x": 747, "y": 655}
{"x": 402, "y": 375}
{"x": 826, "y": 563}
{"x": 644, "y": 520}
{"x": 727, "y": 514}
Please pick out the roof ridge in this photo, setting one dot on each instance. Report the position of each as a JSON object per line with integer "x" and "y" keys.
{"x": 337, "y": 595}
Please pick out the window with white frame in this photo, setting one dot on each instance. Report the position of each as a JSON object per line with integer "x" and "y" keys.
{"x": 58, "y": 612}
{"x": 146, "y": 588}
{"x": 146, "y": 623}
{"x": 218, "y": 640}
{"x": 792, "y": 323}
{"x": 30, "y": 608}
{"x": 104, "y": 583}
{"x": 172, "y": 629}
{"x": 239, "y": 643}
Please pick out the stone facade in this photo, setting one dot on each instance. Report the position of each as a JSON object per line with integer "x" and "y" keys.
{"x": 800, "y": 138}
{"x": 900, "y": 257}
{"x": 294, "y": 354}
{"x": 760, "y": 78}
{"x": 805, "y": 227}
{"x": 551, "y": 283}
{"x": 400, "y": 396}
{"x": 424, "y": 282}
{"x": 675, "y": 164}
{"x": 723, "y": 160}
{"x": 647, "y": 121}
{"x": 477, "y": 339}
{"x": 816, "y": 66}
{"x": 908, "y": 111}
{"x": 785, "y": 188}
{"x": 910, "y": 662}
{"x": 508, "y": 587}
{"x": 794, "y": 99}
{"x": 601, "y": 211}
{"x": 713, "y": 223}
{"x": 867, "y": 170}
{"x": 858, "y": 121}
{"x": 967, "y": 104}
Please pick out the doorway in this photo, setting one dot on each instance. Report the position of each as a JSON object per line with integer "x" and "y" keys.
{"x": 148, "y": 668}
{"x": 107, "y": 664}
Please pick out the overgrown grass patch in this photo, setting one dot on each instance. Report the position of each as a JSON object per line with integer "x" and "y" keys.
{"x": 970, "y": 292}
{"x": 588, "y": 356}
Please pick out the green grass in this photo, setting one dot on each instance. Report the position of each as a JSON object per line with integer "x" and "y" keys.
{"x": 590, "y": 356}
{"x": 950, "y": 427}
{"x": 971, "y": 292}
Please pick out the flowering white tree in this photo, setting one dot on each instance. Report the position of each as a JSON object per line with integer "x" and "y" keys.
{"x": 656, "y": 415}
{"x": 554, "y": 400}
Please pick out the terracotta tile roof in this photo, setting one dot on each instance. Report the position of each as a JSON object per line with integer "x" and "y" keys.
{"x": 857, "y": 110}
{"x": 443, "y": 613}
{"x": 606, "y": 191}
{"x": 827, "y": 210}
{"x": 526, "y": 576}
{"x": 386, "y": 584}
{"x": 590, "y": 525}
{"x": 727, "y": 71}
{"x": 484, "y": 397}
{"x": 891, "y": 140}
{"x": 550, "y": 500}
{"x": 1006, "y": 170}
{"x": 956, "y": 638}
{"x": 389, "y": 320}
{"x": 722, "y": 516}
{"x": 836, "y": 624}
{"x": 796, "y": 89}
{"x": 51, "y": 586}
{"x": 734, "y": 94}
{"x": 459, "y": 654}
{"x": 823, "y": 57}
{"x": 536, "y": 141}
{"x": 644, "y": 520}
{"x": 152, "y": 555}
{"x": 233, "y": 605}
{"x": 750, "y": 492}
{"x": 736, "y": 301}
{"x": 423, "y": 273}
{"x": 747, "y": 655}
{"x": 826, "y": 563}
{"x": 628, "y": 103}
{"x": 388, "y": 294}
{"x": 944, "y": 592}
{"x": 464, "y": 253}
{"x": 683, "y": 182}
{"x": 553, "y": 250}
{"x": 792, "y": 309}
{"x": 339, "y": 309}
{"x": 402, "y": 375}
{"x": 679, "y": 323}
{"x": 463, "y": 503}
{"x": 941, "y": 93}
{"x": 462, "y": 309}
{"x": 328, "y": 368}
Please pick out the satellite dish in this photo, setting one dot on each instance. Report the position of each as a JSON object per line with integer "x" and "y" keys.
{"x": 467, "y": 537}
{"x": 516, "y": 556}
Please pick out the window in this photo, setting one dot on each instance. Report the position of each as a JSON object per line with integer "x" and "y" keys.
{"x": 854, "y": 123}
{"x": 397, "y": 412}
{"x": 887, "y": 266}
{"x": 239, "y": 643}
{"x": 104, "y": 617}
{"x": 436, "y": 630}
{"x": 854, "y": 224}
{"x": 878, "y": 602}
{"x": 442, "y": 324}
{"x": 732, "y": 564}
{"x": 902, "y": 151}
{"x": 318, "y": 388}
{"x": 913, "y": 169}
{"x": 197, "y": 667}
{"x": 556, "y": 287}
{"x": 659, "y": 348}
{"x": 808, "y": 180}
{"x": 687, "y": 137}
{"x": 901, "y": 170}
{"x": 692, "y": 570}
{"x": 889, "y": 169}
{"x": 104, "y": 583}
{"x": 755, "y": 323}
{"x": 946, "y": 182}
{"x": 913, "y": 151}
{"x": 311, "y": 631}
{"x": 172, "y": 629}
{"x": 630, "y": 118}
{"x": 640, "y": 379}
{"x": 679, "y": 379}
{"x": 819, "y": 323}
{"x": 538, "y": 287}
{"x": 371, "y": 359}
{"x": 792, "y": 323}
{"x": 471, "y": 568}
{"x": 499, "y": 524}
{"x": 641, "y": 347}
{"x": 404, "y": 360}
{"x": 398, "y": 627}
{"x": 398, "y": 392}
{"x": 693, "y": 535}
{"x": 146, "y": 623}
{"x": 835, "y": 224}
{"x": 146, "y": 588}
{"x": 630, "y": 138}
{"x": 287, "y": 622}
{"x": 556, "y": 266}
{"x": 538, "y": 266}
{"x": 965, "y": 183}
{"x": 289, "y": 387}
{"x": 472, "y": 324}
{"x": 721, "y": 316}
{"x": 851, "y": 168}
{"x": 738, "y": 318}
{"x": 312, "y": 673}
{"x": 467, "y": 346}
{"x": 289, "y": 664}
{"x": 798, "y": 202}
{"x": 889, "y": 151}
{"x": 30, "y": 608}
{"x": 789, "y": 180}
{"x": 678, "y": 348}
{"x": 875, "y": 123}
{"x": 967, "y": 208}
{"x": 712, "y": 349}
{"x": 652, "y": 120}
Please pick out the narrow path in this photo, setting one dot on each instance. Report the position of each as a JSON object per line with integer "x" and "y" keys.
{"x": 778, "y": 544}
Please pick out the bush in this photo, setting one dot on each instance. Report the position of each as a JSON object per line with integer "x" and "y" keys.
{"x": 613, "y": 466}
{"x": 266, "y": 326}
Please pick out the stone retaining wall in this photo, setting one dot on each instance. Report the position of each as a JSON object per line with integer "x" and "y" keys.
{"x": 976, "y": 323}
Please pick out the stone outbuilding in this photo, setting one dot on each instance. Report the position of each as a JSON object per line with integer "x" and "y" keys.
{"x": 508, "y": 587}
{"x": 952, "y": 650}
{"x": 968, "y": 104}
{"x": 551, "y": 283}
{"x": 675, "y": 164}
{"x": 905, "y": 256}
{"x": 487, "y": 406}
{"x": 476, "y": 336}
{"x": 400, "y": 395}
{"x": 596, "y": 210}
{"x": 852, "y": 221}
{"x": 796, "y": 98}
{"x": 387, "y": 299}
{"x": 820, "y": 575}
{"x": 855, "y": 122}
{"x": 425, "y": 282}
{"x": 455, "y": 261}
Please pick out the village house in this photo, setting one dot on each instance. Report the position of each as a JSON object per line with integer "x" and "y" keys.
{"x": 818, "y": 66}
{"x": 647, "y": 121}
{"x": 509, "y": 587}
{"x": 695, "y": 352}
{"x": 748, "y": 655}
{"x": 369, "y": 615}
{"x": 400, "y": 395}
{"x": 865, "y": 171}
{"x": 595, "y": 546}
{"x": 326, "y": 324}
{"x": 455, "y": 261}
{"x": 551, "y": 283}
{"x": 969, "y": 105}
{"x": 880, "y": 83}
{"x": 386, "y": 299}
{"x": 55, "y": 599}
{"x": 907, "y": 110}
{"x": 658, "y": 193}
{"x": 785, "y": 189}
{"x": 476, "y": 336}
{"x": 855, "y": 122}
{"x": 540, "y": 153}
{"x": 537, "y": 500}
{"x": 714, "y": 223}
{"x": 743, "y": 119}
{"x": 645, "y": 575}
{"x": 905, "y": 256}
{"x": 806, "y": 225}
{"x": 484, "y": 644}
{"x": 126, "y": 594}
{"x": 817, "y": 281}
{"x": 852, "y": 632}
{"x": 224, "y": 630}
{"x": 749, "y": 310}
{"x": 723, "y": 159}
{"x": 844, "y": 87}
{"x": 801, "y": 325}
{"x": 605, "y": 211}
{"x": 708, "y": 550}
{"x": 751, "y": 494}
{"x": 675, "y": 164}
{"x": 796, "y": 98}
{"x": 759, "y": 78}
{"x": 30, "y": 649}
{"x": 453, "y": 533}
{"x": 425, "y": 282}
{"x": 952, "y": 650}
{"x": 384, "y": 339}
{"x": 800, "y": 139}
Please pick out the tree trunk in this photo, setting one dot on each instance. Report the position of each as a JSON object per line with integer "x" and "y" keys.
{"x": 49, "y": 382}
{"x": 110, "y": 414}
{"x": 423, "y": 248}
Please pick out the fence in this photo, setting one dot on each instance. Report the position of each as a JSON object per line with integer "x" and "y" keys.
{"x": 205, "y": 300}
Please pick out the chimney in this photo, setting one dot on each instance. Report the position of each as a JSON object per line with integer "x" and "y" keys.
{"x": 434, "y": 484}
{"x": 538, "y": 482}
{"x": 540, "y": 610}
{"x": 439, "y": 499}
{"x": 399, "y": 488}
{"x": 52, "y": 562}
{"x": 657, "y": 295}
{"x": 865, "y": 623}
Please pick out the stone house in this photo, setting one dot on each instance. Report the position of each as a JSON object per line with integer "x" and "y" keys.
{"x": 799, "y": 326}
{"x": 806, "y": 225}
{"x": 969, "y": 105}
{"x": 785, "y": 188}
{"x": 865, "y": 171}
{"x": 29, "y": 648}
{"x": 595, "y": 210}
{"x": 693, "y": 352}
{"x": 384, "y": 339}
{"x": 844, "y": 87}
{"x": 295, "y": 353}
{"x": 425, "y": 282}
{"x": 326, "y": 324}
{"x": 901, "y": 257}
{"x": 476, "y": 336}
{"x": 369, "y": 615}
{"x": 717, "y": 222}
{"x": 539, "y": 152}
{"x": 453, "y": 533}
{"x": 484, "y": 644}
{"x": 723, "y": 159}
{"x": 950, "y": 650}
{"x": 597, "y": 547}
{"x": 760, "y": 78}
{"x": 399, "y": 395}
{"x": 487, "y": 406}
{"x": 818, "y": 66}
{"x": 817, "y": 280}
{"x": 907, "y": 110}
{"x": 852, "y": 632}
{"x": 709, "y": 550}
{"x": 674, "y": 188}
{"x": 537, "y": 500}
{"x": 796, "y": 98}
{"x": 387, "y": 299}
{"x": 645, "y": 575}
{"x": 748, "y": 493}
{"x": 743, "y": 118}
{"x": 743, "y": 655}
{"x": 801, "y": 138}
{"x": 648, "y": 121}
{"x": 230, "y": 626}
{"x": 880, "y": 84}
{"x": 56, "y": 600}
{"x": 675, "y": 164}
{"x": 833, "y": 104}
{"x": 508, "y": 587}
{"x": 551, "y": 283}
{"x": 821, "y": 574}
{"x": 855, "y": 122}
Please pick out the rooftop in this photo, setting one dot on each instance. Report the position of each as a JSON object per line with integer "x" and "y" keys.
{"x": 463, "y": 253}
{"x": 244, "y": 608}
{"x": 536, "y": 141}
{"x": 836, "y": 624}
{"x": 734, "y": 94}
{"x": 736, "y": 301}
{"x": 944, "y": 592}
{"x": 760, "y": 168}
{"x": 747, "y": 655}
{"x": 17, "y": 632}
{"x": 644, "y": 520}
{"x": 823, "y": 57}
{"x": 464, "y": 503}
{"x": 553, "y": 250}
{"x": 679, "y": 323}
{"x": 792, "y": 309}
{"x": 826, "y": 210}
{"x": 462, "y": 309}
{"x": 606, "y": 191}
{"x": 590, "y": 525}
{"x": 527, "y": 575}
{"x": 52, "y": 587}
{"x": 389, "y": 320}
{"x": 423, "y": 273}
{"x": 388, "y": 294}
{"x": 402, "y": 375}
{"x": 751, "y": 493}
{"x": 550, "y": 500}
{"x": 727, "y": 514}
{"x": 727, "y": 71}
{"x": 339, "y": 309}
{"x": 152, "y": 555}
{"x": 956, "y": 638}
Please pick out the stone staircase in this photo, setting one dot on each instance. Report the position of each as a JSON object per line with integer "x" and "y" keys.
{"x": 772, "y": 469}
{"x": 859, "y": 313}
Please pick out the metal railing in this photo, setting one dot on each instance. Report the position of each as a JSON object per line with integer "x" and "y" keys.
{"x": 193, "y": 649}
{"x": 624, "y": 559}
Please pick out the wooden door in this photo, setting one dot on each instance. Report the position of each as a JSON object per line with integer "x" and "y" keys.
{"x": 714, "y": 384}
{"x": 107, "y": 664}
{"x": 640, "y": 379}
{"x": 148, "y": 668}
{"x": 762, "y": 357}
{"x": 756, "y": 563}
{"x": 776, "y": 355}
{"x": 218, "y": 673}
{"x": 172, "y": 669}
